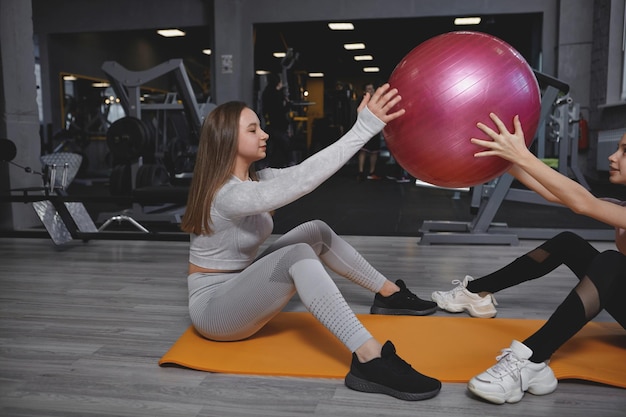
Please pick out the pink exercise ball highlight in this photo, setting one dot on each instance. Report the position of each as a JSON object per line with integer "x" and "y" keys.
{"x": 448, "y": 84}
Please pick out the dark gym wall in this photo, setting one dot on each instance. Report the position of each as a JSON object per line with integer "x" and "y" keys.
{"x": 84, "y": 53}
{"x": 56, "y": 24}
{"x": 603, "y": 116}
{"x": 66, "y": 32}
{"x": 242, "y": 15}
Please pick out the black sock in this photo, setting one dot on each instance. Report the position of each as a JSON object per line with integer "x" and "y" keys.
{"x": 565, "y": 322}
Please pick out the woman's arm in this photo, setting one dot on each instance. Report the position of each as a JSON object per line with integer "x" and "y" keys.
{"x": 280, "y": 187}
{"x": 523, "y": 177}
{"x": 378, "y": 105}
{"x": 539, "y": 177}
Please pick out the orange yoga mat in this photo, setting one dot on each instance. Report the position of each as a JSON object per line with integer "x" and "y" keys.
{"x": 448, "y": 348}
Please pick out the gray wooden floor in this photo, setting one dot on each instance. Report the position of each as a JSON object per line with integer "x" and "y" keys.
{"x": 82, "y": 328}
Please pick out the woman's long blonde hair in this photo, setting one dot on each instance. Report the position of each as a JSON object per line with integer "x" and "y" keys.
{"x": 214, "y": 165}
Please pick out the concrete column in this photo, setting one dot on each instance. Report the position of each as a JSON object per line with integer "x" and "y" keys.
{"x": 19, "y": 118}
{"x": 233, "y": 70}
{"x": 574, "y": 49}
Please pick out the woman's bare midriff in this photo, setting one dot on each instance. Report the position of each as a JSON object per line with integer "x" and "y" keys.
{"x": 193, "y": 268}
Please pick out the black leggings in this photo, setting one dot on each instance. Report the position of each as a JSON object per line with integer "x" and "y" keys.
{"x": 602, "y": 285}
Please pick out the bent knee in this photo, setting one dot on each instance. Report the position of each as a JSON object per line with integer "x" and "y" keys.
{"x": 299, "y": 251}
{"x": 567, "y": 236}
{"x": 324, "y": 233}
{"x": 320, "y": 225}
{"x": 609, "y": 259}
{"x": 605, "y": 269}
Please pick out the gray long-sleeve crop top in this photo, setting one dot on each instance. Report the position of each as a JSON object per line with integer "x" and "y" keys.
{"x": 240, "y": 211}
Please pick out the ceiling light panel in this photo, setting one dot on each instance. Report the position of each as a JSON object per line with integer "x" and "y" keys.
{"x": 460, "y": 21}
{"x": 341, "y": 26}
{"x": 354, "y": 46}
{"x": 170, "y": 33}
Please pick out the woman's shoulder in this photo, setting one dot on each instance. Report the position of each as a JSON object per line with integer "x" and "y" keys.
{"x": 267, "y": 173}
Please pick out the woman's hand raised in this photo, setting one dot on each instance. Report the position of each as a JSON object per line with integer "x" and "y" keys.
{"x": 381, "y": 102}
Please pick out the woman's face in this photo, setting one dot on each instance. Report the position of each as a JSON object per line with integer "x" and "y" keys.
{"x": 252, "y": 140}
{"x": 617, "y": 163}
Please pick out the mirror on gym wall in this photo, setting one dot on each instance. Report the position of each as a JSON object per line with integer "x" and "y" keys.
{"x": 89, "y": 106}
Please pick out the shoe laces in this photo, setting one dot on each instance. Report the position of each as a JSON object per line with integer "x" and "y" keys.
{"x": 398, "y": 365}
{"x": 460, "y": 286}
{"x": 394, "y": 362}
{"x": 508, "y": 364}
{"x": 405, "y": 292}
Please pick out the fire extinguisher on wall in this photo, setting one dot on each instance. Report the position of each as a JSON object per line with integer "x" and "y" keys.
{"x": 583, "y": 136}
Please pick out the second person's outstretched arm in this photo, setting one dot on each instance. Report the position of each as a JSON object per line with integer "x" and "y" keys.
{"x": 539, "y": 177}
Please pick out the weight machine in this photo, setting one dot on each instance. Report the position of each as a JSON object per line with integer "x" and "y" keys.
{"x": 137, "y": 179}
{"x": 558, "y": 120}
{"x": 152, "y": 145}
{"x": 127, "y": 85}
{"x": 64, "y": 217}
{"x": 153, "y": 122}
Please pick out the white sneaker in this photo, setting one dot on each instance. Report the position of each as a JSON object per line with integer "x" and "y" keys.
{"x": 514, "y": 374}
{"x": 460, "y": 299}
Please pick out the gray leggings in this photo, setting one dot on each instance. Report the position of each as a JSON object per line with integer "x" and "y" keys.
{"x": 234, "y": 306}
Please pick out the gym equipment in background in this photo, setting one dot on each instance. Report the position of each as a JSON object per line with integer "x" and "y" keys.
{"x": 57, "y": 173}
{"x": 54, "y": 213}
{"x": 65, "y": 217}
{"x": 154, "y": 124}
{"x": 152, "y": 147}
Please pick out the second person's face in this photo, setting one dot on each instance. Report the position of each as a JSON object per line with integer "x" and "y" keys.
{"x": 617, "y": 163}
{"x": 252, "y": 140}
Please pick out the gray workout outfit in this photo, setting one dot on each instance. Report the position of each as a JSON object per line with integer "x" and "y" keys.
{"x": 236, "y": 305}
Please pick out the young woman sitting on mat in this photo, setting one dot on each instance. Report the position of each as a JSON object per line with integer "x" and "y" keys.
{"x": 602, "y": 275}
{"x": 234, "y": 291}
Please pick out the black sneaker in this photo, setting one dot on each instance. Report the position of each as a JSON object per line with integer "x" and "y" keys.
{"x": 402, "y": 303}
{"x": 391, "y": 375}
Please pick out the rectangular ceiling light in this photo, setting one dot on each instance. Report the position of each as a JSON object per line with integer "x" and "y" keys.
{"x": 353, "y": 46}
{"x": 363, "y": 58}
{"x": 279, "y": 54}
{"x": 341, "y": 26}
{"x": 371, "y": 69}
{"x": 459, "y": 21}
{"x": 316, "y": 74}
{"x": 170, "y": 33}
{"x": 206, "y": 51}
